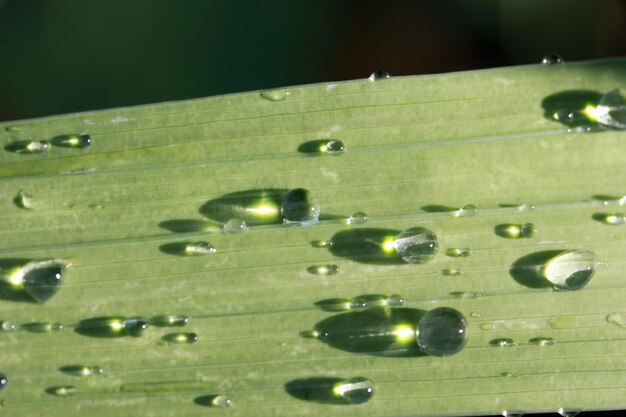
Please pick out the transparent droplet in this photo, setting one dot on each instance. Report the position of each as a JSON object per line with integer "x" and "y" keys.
{"x": 468, "y": 210}
{"x": 466, "y": 294}
{"x": 416, "y": 245}
{"x": 567, "y": 412}
{"x": 452, "y": 271}
{"x": 552, "y": 59}
{"x": 612, "y": 219}
{"x": 516, "y": 231}
{"x": 298, "y": 208}
{"x": 7, "y": 326}
{"x": 355, "y": 390}
{"x": 488, "y": 326}
{"x": 82, "y": 370}
{"x": 73, "y": 140}
{"x": 235, "y": 226}
{"x": 357, "y": 218}
{"x": 610, "y": 199}
{"x": 611, "y": 110}
{"x": 28, "y": 146}
{"x": 524, "y": 207}
{"x": 64, "y": 391}
{"x": 43, "y": 327}
{"x": 616, "y": 318}
{"x": 326, "y": 269}
{"x": 39, "y": 279}
{"x": 333, "y": 147}
{"x": 542, "y": 341}
{"x": 169, "y": 321}
{"x": 135, "y": 326}
{"x": 509, "y": 374}
{"x": 502, "y": 342}
{"x": 321, "y": 243}
{"x": 3, "y": 381}
{"x": 23, "y": 200}
{"x": 221, "y": 401}
{"x": 475, "y": 314}
{"x": 379, "y": 75}
{"x": 277, "y": 94}
{"x": 442, "y": 332}
{"x": 334, "y": 304}
{"x": 571, "y": 270}
{"x": 366, "y": 301}
{"x": 180, "y": 338}
{"x": 199, "y": 248}
{"x": 458, "y": 252}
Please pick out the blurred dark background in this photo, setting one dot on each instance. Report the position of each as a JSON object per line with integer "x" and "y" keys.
{"x": 60, "y": 56}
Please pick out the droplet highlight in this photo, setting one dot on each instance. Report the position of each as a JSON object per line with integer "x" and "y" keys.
{"x": 611, "y": 110}
{"x": 502, "y": 342}
{"x": 277, "y": 94}
{"x": 64, "y": 391}
{"x": 3, "y": 381}
{"x": 379, "y": 75}
{"x": 180, "y": 338}
{"x": 355, "y": 391}
{"x": 458, "y": 252}
{"x": 298, "y": 208}
{"x": 357, "y": 218}
{"x": 326, "y": 269}
{"x": 468, "y": 210}
{"x": 72, "y": 140}
{"x": 571, "y": 270}
{"x": 170, "y": 320}
{"x": 365, "y": 301}
{"x": 7, "y": 326}
{"x": 442, "y": 332}
{"x": 552, "y": 59}
{"x": 416, "y": 245}
{"x": 235, "y": 227}
{"x": 214, "y": 400}
{"x": 515, "y": 231}
{"x": 199, "y": 248}
{"x": 611, "y": 219}
{"x": 39, "y": 279}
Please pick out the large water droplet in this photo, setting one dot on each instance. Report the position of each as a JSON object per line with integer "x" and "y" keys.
{"x": 442, "y": 332}
{"x": 42, "y": 327}
{"x": 277, "y": 94}
{"x": 611, "y": 110}
{"x": 23, "y": 200}
{"x": 355, "y": 390}
{"x": 28, "y": 146}
{"x": 379, "y": 75}
{"x": 617, "y": 319}
{"x": 502, "y": 342}
{"x": 610, "y": 199}
{"x": 3, "y": 381}
{"x": 571, "y": 270}
{"x": 515, "y": 231}
{"x": 298, "y": 208}
{"x": 325, "y": 269}
{"x": 357, "y": 218}
{"x": 169, "y": 321}
{"x": 39, "y": 279}
{"x": 458, "y": 252}
{"x": 235, "y": 226}
{"x": 82, "y": 370}
{"x": 542, "y": 341}
{"x": 199, "y": 248}
{"x": 72, "y": 140}
{"x": 416, "y": 245}
{"x": 552, "y": 59}
{"x": 612, "y": 219}
{"x": 180, "y": 338}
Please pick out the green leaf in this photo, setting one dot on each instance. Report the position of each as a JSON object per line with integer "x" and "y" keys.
{"x": 416, "y": 149}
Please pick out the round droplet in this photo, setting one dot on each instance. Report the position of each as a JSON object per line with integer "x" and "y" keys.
{"x": 571, "y": 270}
{"x": 458, "y": 252}
{"x": 612, "y": 219}
{"x": 235, "y": 226}
{"x": 502, "y": 342}
{"x": 416, "y": 245}
{"x": 468, "y": 210}
{"x": 357, "y": 218}
{"x": 199, "y": 248}
{"x": 7, "y": 326}
{"x": 23, "y": 200}
{"x": 355, "y": 390}
{"x": 169, "y": 321}
{"x": 3, "y": 381}
{"x": 379, "y": 75}
{"x": 333, "y": 147}
{"x": 277, "y": 94}
{"x": 135, "y": 326}
{"x": 515, "y": 231}
{"x": 552, "y": 59}
{"x": 617, "y": 319}
{"x": 180, "y": 338}
{"x": 39, "y": 279}
{"x": 611, "y": 110}
{"x": 442, "y": 332}
{"x": 82, "y": 370}
{"x": 73, "y": 140}
{"x": 326, "y": 269}
{"x": 298, "y": 208}
{"x": 542, "y": 341}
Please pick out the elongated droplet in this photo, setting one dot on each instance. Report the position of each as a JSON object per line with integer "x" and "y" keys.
{"x": 468, "y": 210}
{"x": 214, "y": 400}
{"x": 235, "y": 226}
{"x": 73, "y": 140}
{"x": 298, "y": 208}
{"x": 379, "y": 75}
{"x": 515, "y": 231}
{"x": 509, "y": 374}
{"x": 28, "y": 146}
{"x": 169, "y": 321}
{"x": 277, "y": 94}
{"x": 199, "y": 248}
{"x": 466, "y": 294}
{"x": 321, "y": 243}
{"x": 452, "y": 271}
{"x": 333, "y": 147}
{"x": 542, "y": 341}
{"x": 82, "y": 370}
{"x": 365, "y": 301}
{"x": 3, "y": 381}
{"x": 612, "y": 219}
{"x": 43, "y": 327}
{"x": 180, "y": 338}
{"x": 552, "y": 59}
{"x": 502, "y": 342}
{"x": 416, "y": 245}
{"x": 610, "y": 199}
{"x": 334, "y": 304}
{"x": 135, "y": 326}
{"x": 327, "y": 269}
{"x": 458, "y": 252}
{"x": 571, "y": 270}
{"x": 617, "y": 319}
{"x": 7, "y": 326}
{"x": 355, "y": 391}
{"x": 442, "y": 332}
{"x": 23, "y": 200}
{"x": 611, "y": 110}
{"x": 39, "y": 279}
{"x": 64, "y": 391}
{"x": 357, "y": 218}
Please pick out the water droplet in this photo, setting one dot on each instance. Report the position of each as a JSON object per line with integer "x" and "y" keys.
{"x": 7, "y": 326}
{"x": 355, "y": 390}
{"x": 616, "y": 318}
{"x": 611, "y": 110}
{"x": 199, "y": 248}
{"x": 39, "y": 279}
{"x": 235, "y": 226}
{"x": 509, "y": 413}
{"x": 169, "y": 321}
{"x": 610, "y": 199}
{"x": 612, "y": 219}
{"x": 333, "y": 304}
{"x": 72, "y": 140}
{"x": 458, "y": 252}
{"x": 180, "y": 338}
{"x": 552, "y": 59}
{"x": 28, "y": 146}
{"x": 416, "y": 245}
{"x": 571, "y": 270}
{"x": 23, "y": 200}
{"x": 43, "y": 327}
{"x": 488, "y": 326}
{"x": 135, "y": 326}
{"x": 509, "y": 374}
{"x": 327, "y": 269}
{"x": 475, "y": 314}
{"x": 466, "y": 294}
{"x": 214, "y": 400}
{"x": 333, "y": 147}
{"x": 321, "y": 243}
{"x": 379, "y": 75}
{"x": 468, "y": 210}
{"x": 542, "y": 341}
{"x": 64, "y": 391}
{"x": 515, "y": 231}
{"x": 298, "y": 208}
{"x": 366, "y": 301}
{"x": 567, "y": 412}
{"x": 277, "y": 94}
{"x": 82, "y": 370}
{"x": 14, "y": 128}
{"x": 3, "y": 381}
{"x": 357, "y": 218}
{"x": 502, "y": 342}
{"x": 442, "y": 332}
{"x": 452, "y": 271}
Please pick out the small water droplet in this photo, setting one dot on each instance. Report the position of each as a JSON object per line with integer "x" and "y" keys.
{"x": 3, "y": 381}
{"x": 180, "y": 338}
{"x": 39, "y": 279}
{"x": 502, "y": 342}
{"x": 468, "y": 210}
{"x": 509, "y": 413}
{"x": 442, "y": 332}
{"x": 298, "y": 208}
{"x": 610, "y": 199}
{"x": 611, "y": 110}
{"x": 542, "y": 341}
{"x": 552, "y": 59}
{"x": 612, "y": 219}
{"x": 333, "y": 304}
{"x": 64, "y": 391}
{"x": 82, "y": 370}
{"x": 43, "y": 327}
{"x": 23, "y": 200}
{"x": 235, "y": 226}
{"x": 416, "y": 245}
{"x": 525, "y": 207}
{"x": 571, "y": 270}
{"x": 333, "y": 147}
{"x": 354, "y": 390}
{"x": 276, "y": 94}
{"x": 327, "y": 269}
{"x": 72, "y": 140}
{"x": 214, "y": 400}
{"x": 616, "y": 318}
{"x": 321, "y": 243}
{"x": 7, "y": 326}
{"x": 475, "y": 314}
{"x": 379, "y": 75}
{"x": 466, "y": 294}
{"x": 567, "y": 412}
{"x": 488, "y": 326}
{"x": 366, "y": 301}
{"x": 509, "y": 374}
{"x": 199, "y": 248}
{"x": 135, "y": 326}
{"x": 515, "y": 231}
{"x": 169, "y": 321}
{"x": 28, "y": 146}
{"x": 357, "y": 218}
{"x": 458, "y": 252}
{"x": 452, "y": 271}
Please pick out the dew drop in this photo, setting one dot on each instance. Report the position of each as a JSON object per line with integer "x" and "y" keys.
{"x": 487, "y": 326}
{"x": 199, "y": 248}
{"x": 82, "y": 370}
{"x": 64, "y": 391}
{"x": 135, "y": 326}
{"x": 169, "y": 321}
{"x": 333, "y": 147}
{"x": 366, "y": 301}
{"x": 475, "y": 314}
{"x": 335, "y": 305}
{"x": 321, "y": 244}
{"x": 468, "y": 210}
{"x": 355, "y": 390}
{"x": 466, "y": 294}
{"x": 502, "y": 342}
{"x": 416, "y": 245}
{"x": 43, "y": 327}
{"x": 327, "y": 269}
{"x": 235, "y": 226}
{"x": 180, "y": 338}
{"x": 552, "y": 59}
{"x": 452, "y": 271}
{"x": 298, "y": 208}
{"x": 458, "y": 252}
{"x": 442, "y": 332}
{"x": 3, "y": 381}
{"x": 23, "y": 200}
{"x": 221, "y": 401}
{"x": 611, "y": 110}
{"x": 542, "y": 341}
{"x": 571, "y": 270}
{"x": 617, "y": 319}
{"x": 612, "y": 219}
{"x": 379, "y": 75}
{"x": 39, "y": 279}
{"x": 72, "y": 140}
{"x": 277, "y": 94}
{"x": 515, "y": 231}
{"x": 567, "y": 412}
{"x": 357, "y": 218}
{"x": 7, "y": 326}
{"x": 28, "y": 146}
{"x": 610, "y": 199}
{"x": 509, "y": 374}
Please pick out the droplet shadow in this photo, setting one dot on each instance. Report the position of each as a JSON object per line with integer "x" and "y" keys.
{"x": 567, "y": 107}
{"x": 436, "y": 208}
{"x": 315, "y": 389}
{"x": 366, "y": 245}
{"x": 528, "y": 270}
{"x": 175, "y": 248}
{"x": 190, "y": 226}
{"x": 101, "y": 327}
